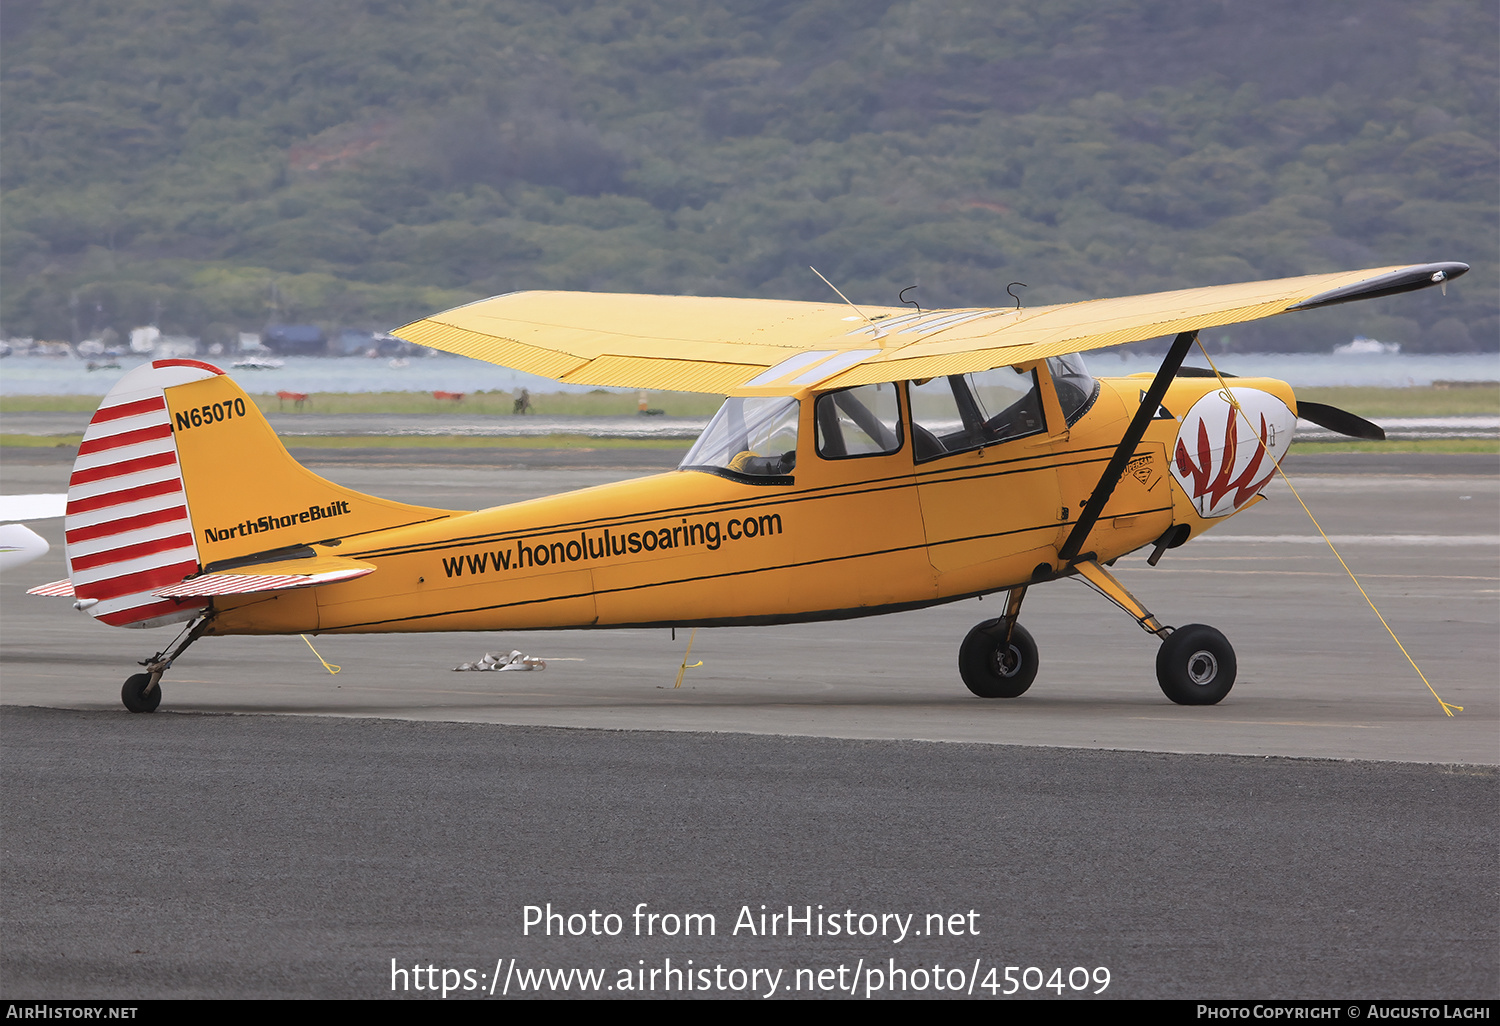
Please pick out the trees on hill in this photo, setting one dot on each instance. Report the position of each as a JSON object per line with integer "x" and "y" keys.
{"x": 377, "y": 161}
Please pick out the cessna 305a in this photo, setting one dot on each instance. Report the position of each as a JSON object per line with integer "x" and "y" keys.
{"x": 865, "y": 461}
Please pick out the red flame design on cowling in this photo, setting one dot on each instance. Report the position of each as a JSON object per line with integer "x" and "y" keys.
{"x": 1245, "y": 484}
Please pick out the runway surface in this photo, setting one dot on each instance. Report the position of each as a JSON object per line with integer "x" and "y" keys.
{"x": 1091, "y": 822}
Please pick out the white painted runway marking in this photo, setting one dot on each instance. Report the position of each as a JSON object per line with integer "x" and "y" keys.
{"x": 1358, "y": 539}
{"x": 1263, "y": 723}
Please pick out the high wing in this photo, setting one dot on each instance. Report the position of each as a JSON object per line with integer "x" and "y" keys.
{"x": 761, "y": 346}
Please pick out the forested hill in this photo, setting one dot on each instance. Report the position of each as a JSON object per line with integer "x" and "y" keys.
{"x": 167, "y": 160}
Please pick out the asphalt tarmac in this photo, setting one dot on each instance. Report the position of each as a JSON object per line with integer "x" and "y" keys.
{"x": 1325, "y": 831}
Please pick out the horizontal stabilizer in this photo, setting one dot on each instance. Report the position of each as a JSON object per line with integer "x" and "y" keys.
{"x": 57, "y": 589}
{"x": 280, "y": 576}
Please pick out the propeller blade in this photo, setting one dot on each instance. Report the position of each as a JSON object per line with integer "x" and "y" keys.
{"x": 1342, "y": 421}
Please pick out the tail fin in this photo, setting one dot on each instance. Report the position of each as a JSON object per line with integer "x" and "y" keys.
{"x": 179, "y": 471}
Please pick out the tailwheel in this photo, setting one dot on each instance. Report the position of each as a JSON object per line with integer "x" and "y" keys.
{"x": 139, "y": 695}
{"x": 1195, "y": 665}
{"x": 142, "y": 691}
{"x": 993, "y": 667}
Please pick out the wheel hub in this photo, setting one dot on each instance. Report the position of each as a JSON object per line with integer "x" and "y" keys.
{"x": 1007, "y": 661}
{"x": 1202, "y": 668}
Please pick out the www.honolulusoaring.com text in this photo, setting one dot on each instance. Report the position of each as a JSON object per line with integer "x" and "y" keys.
{"x": 596, "y": 545}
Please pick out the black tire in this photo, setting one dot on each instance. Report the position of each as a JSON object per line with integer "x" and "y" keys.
{"x": 135, "y": 696}
{"x": 1195, "y": 665}
{"x": 991, "y": 673}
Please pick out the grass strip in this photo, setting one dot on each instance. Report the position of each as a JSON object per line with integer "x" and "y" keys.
{"x": 1432, "y": 445}
{"x": 578, "y": 442}
{"x": 40, "y": 441}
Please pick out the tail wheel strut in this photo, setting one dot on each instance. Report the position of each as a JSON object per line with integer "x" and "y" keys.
{"x": 141, "y": 692}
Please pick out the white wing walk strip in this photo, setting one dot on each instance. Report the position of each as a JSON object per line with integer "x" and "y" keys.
{"x": 827, "y": 369}
{"x": 813, "y": 366}
{"x": 790, "y": 365}
{"x": 244, "y": 584}
{"x": 127, "y": 528}
{"x": 922, "y": 323}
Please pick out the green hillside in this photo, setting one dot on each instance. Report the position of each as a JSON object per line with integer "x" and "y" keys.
{"x": 381, "y": 159}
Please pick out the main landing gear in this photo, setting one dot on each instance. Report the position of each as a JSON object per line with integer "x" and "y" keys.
{"x": 998, "y": 659}
{"x": 141, "y": 692}
{"x": 1194, "y": 666}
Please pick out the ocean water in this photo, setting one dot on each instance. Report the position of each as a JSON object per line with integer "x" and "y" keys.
{"x": 43, "y": 375}
{"x": 39, "y": 375}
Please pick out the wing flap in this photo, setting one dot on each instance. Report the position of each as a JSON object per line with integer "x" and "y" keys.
{"x": 695, "y": 343}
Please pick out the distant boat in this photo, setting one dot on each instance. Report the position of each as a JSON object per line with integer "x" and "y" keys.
{"x": 1362, "y": 346}
{"x": 258, "y": 363}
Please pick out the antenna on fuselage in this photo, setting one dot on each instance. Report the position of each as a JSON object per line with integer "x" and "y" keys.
{"x": 845, "y": 298}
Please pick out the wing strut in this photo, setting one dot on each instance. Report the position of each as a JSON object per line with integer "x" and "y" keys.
{"x": 1126, "y": 449}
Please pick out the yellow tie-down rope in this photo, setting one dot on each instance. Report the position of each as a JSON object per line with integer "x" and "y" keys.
{"x": 1229, "y": 395}
{"x": 326, "y": 664}
{"x": 686, "y": 666}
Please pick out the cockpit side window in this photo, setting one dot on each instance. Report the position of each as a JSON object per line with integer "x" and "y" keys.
{"x": 751, "y": 439}
{"x": 963, "y": 412}
{"x": 860, "y": 421}
{"x": 1076, "y": 387}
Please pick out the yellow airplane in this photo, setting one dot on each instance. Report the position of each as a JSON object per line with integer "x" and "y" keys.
{"x": 865, "y": 460}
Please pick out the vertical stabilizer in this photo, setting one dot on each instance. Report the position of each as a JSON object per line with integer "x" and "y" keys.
{"x": 179, "y": 473}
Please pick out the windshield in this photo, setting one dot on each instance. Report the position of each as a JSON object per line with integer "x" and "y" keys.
{"x": 753, "y": 437}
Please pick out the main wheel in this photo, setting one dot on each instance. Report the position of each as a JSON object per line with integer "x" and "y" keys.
{"x": 1195, "y": 665}
{"x": 992, "y": 669}
{"x": 136, "y": 697}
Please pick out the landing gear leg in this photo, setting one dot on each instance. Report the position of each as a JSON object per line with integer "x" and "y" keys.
{"x": 1195, "y": 664}
{"x": 998, "y": 659}
{"x": 141, "y": 692}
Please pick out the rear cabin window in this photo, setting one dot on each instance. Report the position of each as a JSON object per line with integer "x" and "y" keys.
{"x": 969, "y": 411}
